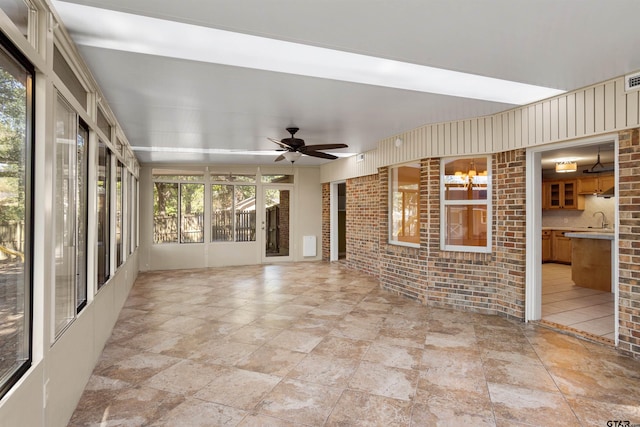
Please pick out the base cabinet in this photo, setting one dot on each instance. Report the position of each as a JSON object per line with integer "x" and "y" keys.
{"x": 546, "y": 246}
{"x": 561, "y": 247}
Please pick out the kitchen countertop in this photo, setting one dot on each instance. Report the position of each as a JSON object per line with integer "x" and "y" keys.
{"x": 604, "y": 235}
{"x": 599, "y": 230}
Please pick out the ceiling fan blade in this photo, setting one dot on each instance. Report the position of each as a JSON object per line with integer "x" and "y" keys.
{"x": 280, "y": 143}
{"x": 280, "y": 157}
{"x": 320, "y": 155}
{"x": 323, "y": 147}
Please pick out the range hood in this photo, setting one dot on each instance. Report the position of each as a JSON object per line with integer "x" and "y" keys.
{"x": 607, "y": 194}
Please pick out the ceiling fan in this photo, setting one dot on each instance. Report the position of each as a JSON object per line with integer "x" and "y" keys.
{"x": 294, "y": 148}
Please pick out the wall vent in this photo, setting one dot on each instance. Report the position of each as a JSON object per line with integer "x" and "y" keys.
{"x": 632, "y": 82}
{"x": 360, "y": 157}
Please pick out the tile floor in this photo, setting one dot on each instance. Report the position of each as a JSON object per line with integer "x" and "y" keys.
{"x": 582, "y": 309}
{"x": 315, "y": 344}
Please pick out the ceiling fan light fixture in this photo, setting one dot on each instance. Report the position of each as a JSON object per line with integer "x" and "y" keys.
{"x": 292, "y": 156}
{"x": 566, "y": 166}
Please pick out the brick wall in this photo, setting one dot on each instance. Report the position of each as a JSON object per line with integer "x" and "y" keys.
{"x": 489, "y": 283}
{"x": 509, "y": 241}
{"x": 326, "y": 222}
{"x": 628, "y": 192}
{"x": 402, "y": 269}
{"x": 363, "y": 247}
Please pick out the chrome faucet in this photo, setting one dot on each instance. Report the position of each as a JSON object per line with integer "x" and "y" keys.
{"x": 604, "y": 224}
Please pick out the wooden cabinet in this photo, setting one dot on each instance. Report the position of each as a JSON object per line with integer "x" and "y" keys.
{"x": 562, "y": 195}
{"x": 596, "y": 184}
{"x": 546, "y": 246}
{"x": 560, "y": 247}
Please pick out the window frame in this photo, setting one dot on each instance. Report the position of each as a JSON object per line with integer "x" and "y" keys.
{"x": 104, "y": 214}
{"x": 29, "y": 198}
{"x": 390, "y": 196}
{"x": 180, "y": 178}
{"x": 234, "y": 184}
{"x": 487, "y": 202}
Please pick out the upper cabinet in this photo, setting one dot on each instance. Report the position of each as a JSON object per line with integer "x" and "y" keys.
{"x": 596, "y": 184}
{"x": 562, "y": 195}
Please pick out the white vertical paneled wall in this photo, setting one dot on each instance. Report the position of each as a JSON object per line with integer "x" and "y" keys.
{"x": 597, "y": 109}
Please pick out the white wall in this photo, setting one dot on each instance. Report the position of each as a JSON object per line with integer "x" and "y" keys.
{"x": 595, "y": 110}
{"x": 306, "y": 220}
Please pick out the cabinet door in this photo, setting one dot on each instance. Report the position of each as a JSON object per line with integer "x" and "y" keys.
{"x": 588, "y": 185}
{"x": 546, "y": 246}
{"x": 605, "y": 183}
{"x": 554, "y": 195}
{"x": 561, "y": 247}
{"x": 570, "y": 195}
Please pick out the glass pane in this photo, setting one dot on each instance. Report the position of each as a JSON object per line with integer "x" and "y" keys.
{"x": 276, "y": 205}
{"x": 280, "y": 179}
{"x": 104, "y": 178}
{"x": 81, "y": 214}
{"x": 466, "y": 179}
{"x": 245, "y": 213}
{"x": 221, "y": 213}
{"x": 233, "y": 178}
{"x": 191, "y": 213}
{"x": 466, "y": 225}
{"x": 405, "y": 204}
{"x": 165, "y": 212}
{"x": 15, "y": 118}
{"x": 177, "y": 175}
{"x": 119, "y": 195}
{"x": 103, "y": 123}
{"x": 23, "y": 15}
{"x": 65, "y": 214}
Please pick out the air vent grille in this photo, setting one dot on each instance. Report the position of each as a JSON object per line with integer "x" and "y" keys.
{"x": 632, "y": 82}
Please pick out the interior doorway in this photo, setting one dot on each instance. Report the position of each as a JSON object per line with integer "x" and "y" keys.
{"x": 338, "y": 221}
{"x": 554, "y": 295}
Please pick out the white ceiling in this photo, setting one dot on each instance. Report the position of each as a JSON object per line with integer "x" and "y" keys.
{"x": 195, "y": 108}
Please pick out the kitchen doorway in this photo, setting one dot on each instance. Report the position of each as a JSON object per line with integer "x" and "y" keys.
{"x": 567, "y": 208}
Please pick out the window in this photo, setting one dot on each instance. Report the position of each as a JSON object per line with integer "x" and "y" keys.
{"x": 82, "y": 152}
{"x": 70, "y": 214}
{"x": 466, "y": 204}
{"x": 178, "y": 207}
{"x": 25, "y": 16}
{"x": 279, "y": 179}
{"x": 16, "y": 136}
{"x": 233, "y": 212}
{"x": 119, "y": 218}
{"x": 133, "y": 210}
{"x": 103, "y": 215}
{"x": 404, "y": 185}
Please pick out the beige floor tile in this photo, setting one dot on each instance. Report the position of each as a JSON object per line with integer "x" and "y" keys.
{"x": 437, "y": 415}
{"x": 324, "y": 370}
{"x": 196, "y": 413}
{"x": 295, "y": 340}
{"x": 185, "y": 377}
{"x": 315, "y": 344}
{"x": 531, "y": 406}
{"x": 393, "y": 355}
{"x": 361, "y": 409}
{"x": 384, "y": 381}
{"x": 271, "y": 360}
{"x": 238, "y": 388}
{"x": 342, "y": 348}
{"x": 300, "y": 402}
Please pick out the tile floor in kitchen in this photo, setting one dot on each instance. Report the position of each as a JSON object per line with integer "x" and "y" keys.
{"x": 316, "y": 344}
{"x": 582, "y": 309}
